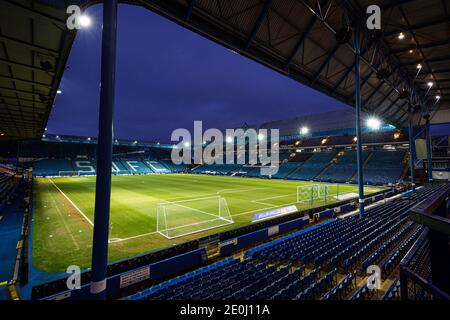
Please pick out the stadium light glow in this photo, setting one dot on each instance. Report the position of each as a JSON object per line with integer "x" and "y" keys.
{"x": 419, "y": 66}
{"x": 401, "y": 36}
{"x": 58, "y": 92}
{"x": 430, "y": 84}
{"x": 229, "y": 139}
{"x": 373, "y": 123}
{"x": 438, "y": 97}
{"x": 260, "y": 136}
{"x": 2, "y": 134}
{"x": 304, "y": 130}
{"x": 89, "y": 138}
{"x": 85, "y": 21}
{"x": 187, "y": 144}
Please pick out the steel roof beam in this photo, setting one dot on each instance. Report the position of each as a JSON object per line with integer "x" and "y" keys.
{"x": 325, "y": 63}
{"x": 301, "y": 40}
{"x": 22, "y": 91}
{"x": 422, "y": 46}
{"x": 258, "y": 23}
{"x": 422, "y": 25}
{"x": 389, "y": 106}
{"x": 190, "y": 10}
{"x": 28, "y": 45}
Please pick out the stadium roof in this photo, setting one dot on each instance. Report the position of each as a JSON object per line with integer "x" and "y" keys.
{"x": 294, "y": 37}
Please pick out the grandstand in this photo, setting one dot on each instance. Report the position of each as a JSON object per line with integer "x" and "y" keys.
{"x": 354, "y": 212}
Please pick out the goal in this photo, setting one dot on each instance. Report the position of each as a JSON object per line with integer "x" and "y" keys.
{"x": 313, "y": 194}
{"x": 180, "y": 218}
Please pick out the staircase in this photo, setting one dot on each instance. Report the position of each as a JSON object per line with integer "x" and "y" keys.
{"x": 211, "y": 245}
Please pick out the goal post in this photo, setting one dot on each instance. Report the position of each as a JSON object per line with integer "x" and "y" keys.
{"x": 180, "y": 218}
{"x": 314, "y": 194}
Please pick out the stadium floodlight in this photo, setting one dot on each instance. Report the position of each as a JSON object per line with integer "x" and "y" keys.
{"x": 304, "y": 130}
{"x": 373, "y": 123}
{"x": 85, "y": 21}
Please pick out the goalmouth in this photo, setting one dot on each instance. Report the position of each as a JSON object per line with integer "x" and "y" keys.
{"x": 180, "y": 218}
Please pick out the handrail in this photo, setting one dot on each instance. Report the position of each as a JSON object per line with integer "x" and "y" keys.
{"x": 423, "y": 212}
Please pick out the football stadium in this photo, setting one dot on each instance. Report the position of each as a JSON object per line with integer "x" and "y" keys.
{"x": 327, "y": 177}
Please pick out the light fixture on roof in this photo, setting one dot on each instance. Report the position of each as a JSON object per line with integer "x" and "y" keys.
{"x": 429, "y": 84}
{"x": 84, "y": 21}
{"x": 401, "y": 36}
{"x": 304, "y": 130}
{"x": 373, "y": 123}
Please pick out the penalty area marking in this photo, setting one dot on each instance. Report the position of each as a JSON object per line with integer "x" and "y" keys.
{"x": 71, "y": 202}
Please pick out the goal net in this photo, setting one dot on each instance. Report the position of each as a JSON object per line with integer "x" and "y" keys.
{"x": 180, "y": 218}
{"x": 313, "y": 194}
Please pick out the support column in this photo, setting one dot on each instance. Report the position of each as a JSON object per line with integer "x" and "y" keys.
{"x": 359, "y": 156}
{"x": 429, "y": 148}
{"x": 412, "y": 148}
{"x": 104, "y": 152}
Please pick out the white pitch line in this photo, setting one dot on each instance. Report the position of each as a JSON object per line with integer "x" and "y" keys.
{"x": 73, "y": 204}
{"x": 114, "y": 240}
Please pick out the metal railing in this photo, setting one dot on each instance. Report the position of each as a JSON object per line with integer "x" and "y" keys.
{"x": 425, "y": 270}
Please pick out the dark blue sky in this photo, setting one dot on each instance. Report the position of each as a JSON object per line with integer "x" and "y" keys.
{"x": 167, "y": 77}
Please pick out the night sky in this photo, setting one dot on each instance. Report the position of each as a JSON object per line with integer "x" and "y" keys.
{"x": 167, "y": 77}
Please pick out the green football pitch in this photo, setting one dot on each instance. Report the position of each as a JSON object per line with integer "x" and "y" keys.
{"x": 64, "y": 211}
